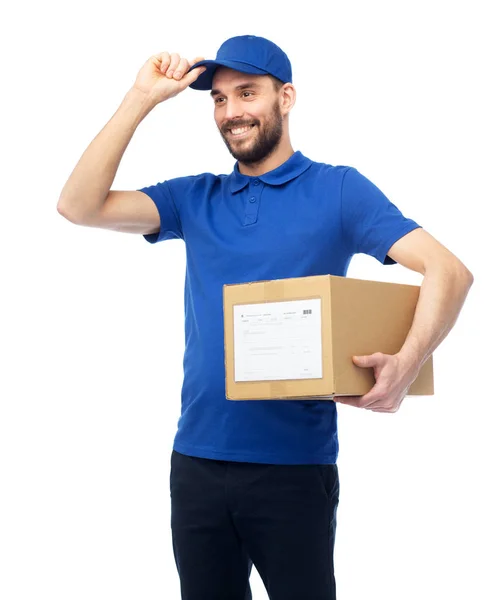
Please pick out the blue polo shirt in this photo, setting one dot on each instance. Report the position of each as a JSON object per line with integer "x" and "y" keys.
{"x": 303, "y": 218}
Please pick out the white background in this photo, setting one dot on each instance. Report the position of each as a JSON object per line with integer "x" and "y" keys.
{"x": 92, "y": 321}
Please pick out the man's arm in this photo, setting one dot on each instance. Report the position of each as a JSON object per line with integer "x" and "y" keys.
{"x": 443, "y": 291}
{"x": 86, "y": 198}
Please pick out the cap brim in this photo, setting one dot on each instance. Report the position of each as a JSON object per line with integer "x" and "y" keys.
{"x": 205, "y": 80}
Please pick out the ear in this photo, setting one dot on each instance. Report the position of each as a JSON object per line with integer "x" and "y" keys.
{"x": 287, "y": 98}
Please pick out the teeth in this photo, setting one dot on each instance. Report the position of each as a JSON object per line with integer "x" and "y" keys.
{"x": 240, "y": 130}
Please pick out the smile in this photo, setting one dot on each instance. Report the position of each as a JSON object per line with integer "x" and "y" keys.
{"x": 239, "y": 132}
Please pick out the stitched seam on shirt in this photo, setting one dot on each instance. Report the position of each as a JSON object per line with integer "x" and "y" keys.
{"x": 252, "y": 455}
{"x": 383, "y": 248}
{"x": 341, "y": 208}
{"x": 177, "y": 214}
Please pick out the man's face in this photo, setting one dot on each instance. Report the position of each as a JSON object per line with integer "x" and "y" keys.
{"x": 247, "y": 113}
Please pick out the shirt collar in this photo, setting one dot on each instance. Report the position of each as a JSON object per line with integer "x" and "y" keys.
{"x": 294, "y": 166}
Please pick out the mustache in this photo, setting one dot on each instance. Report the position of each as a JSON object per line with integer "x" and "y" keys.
{"x": 234, "y": 124}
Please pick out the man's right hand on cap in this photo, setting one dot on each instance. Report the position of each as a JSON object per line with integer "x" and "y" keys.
{"x": 165, "y": 75}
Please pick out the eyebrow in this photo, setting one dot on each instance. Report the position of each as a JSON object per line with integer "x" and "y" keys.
{"x": 248, "y": 84}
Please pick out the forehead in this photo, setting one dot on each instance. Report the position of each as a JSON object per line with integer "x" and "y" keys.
{"x": 229, "y": 78}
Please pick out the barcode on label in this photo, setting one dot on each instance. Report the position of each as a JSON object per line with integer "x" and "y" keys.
{"x": 307, "y": 311}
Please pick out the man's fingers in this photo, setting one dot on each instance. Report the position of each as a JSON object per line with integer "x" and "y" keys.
{"x": 194, "y": 74}
{"x": 162, "y": 61}
{"x": 369, "y": 360}
{"x": 360, "y": 401}
{"x": 191, "y": 76}
{"x": 176, "y": 67}
{"x": 181, "y": 68}
{"x": 353, "y": 400}
{"x": 174, "y": 63}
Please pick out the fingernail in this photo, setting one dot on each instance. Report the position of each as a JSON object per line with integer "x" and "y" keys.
{"x": 170, "y": 73}
{"x": 177, "y": 74}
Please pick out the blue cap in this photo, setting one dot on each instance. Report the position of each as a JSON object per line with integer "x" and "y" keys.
{"x": 248, "y": 54}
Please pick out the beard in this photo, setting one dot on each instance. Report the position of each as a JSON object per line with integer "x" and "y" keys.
{"x": 265, "y": 140}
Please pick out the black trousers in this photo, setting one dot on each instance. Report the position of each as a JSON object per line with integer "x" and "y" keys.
{"x": 226, "y": 516}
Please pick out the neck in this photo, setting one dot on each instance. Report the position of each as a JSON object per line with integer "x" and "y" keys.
{"x": 280, "y": 155}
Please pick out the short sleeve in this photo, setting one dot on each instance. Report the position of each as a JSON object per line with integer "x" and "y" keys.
{"x": 371, "y": 224}
{"x": 170, "y": 224}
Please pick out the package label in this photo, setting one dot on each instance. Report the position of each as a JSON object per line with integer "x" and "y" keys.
{"x": 278, "y": 340}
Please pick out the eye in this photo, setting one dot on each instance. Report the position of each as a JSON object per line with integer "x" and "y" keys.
{"x": 218, "y": 99}
{"x": 251, "y": 93}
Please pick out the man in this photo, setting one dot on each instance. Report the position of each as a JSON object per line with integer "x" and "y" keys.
{"x": 256, "y": 482}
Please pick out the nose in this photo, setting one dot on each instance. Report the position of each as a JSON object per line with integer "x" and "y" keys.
{"x": 233, "y": 110}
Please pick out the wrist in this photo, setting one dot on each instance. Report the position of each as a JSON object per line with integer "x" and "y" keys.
{"x": 410, "y": 362}
{"x": 137, "y": 103}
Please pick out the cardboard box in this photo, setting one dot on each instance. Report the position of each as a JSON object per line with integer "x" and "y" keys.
{"x": 295, "y": 338}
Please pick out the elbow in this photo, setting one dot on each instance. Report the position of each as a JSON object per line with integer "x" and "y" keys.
{"x": 67, "y": 213}
{"x": 469, "y": 277}
{"x": 63, "y": 210}
{"x": 463, "y": 275}
{"x": 451, "y": 269}
{"x": 466, "y": 281}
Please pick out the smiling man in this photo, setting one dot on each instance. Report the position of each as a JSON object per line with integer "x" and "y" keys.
{"x": 256, "y": 482}
{"x": 253, "y": 139}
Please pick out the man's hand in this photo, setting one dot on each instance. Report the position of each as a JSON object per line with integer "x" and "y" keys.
{"x": 165, "y": 75}
{"x": 393, "y": 378}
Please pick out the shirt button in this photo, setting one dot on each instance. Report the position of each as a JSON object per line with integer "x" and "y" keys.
{"x": 252, "y": 199}
{"x": 256, "y": 182}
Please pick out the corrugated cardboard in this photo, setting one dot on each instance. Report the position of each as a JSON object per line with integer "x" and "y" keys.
{"x": 358, "y": 317}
